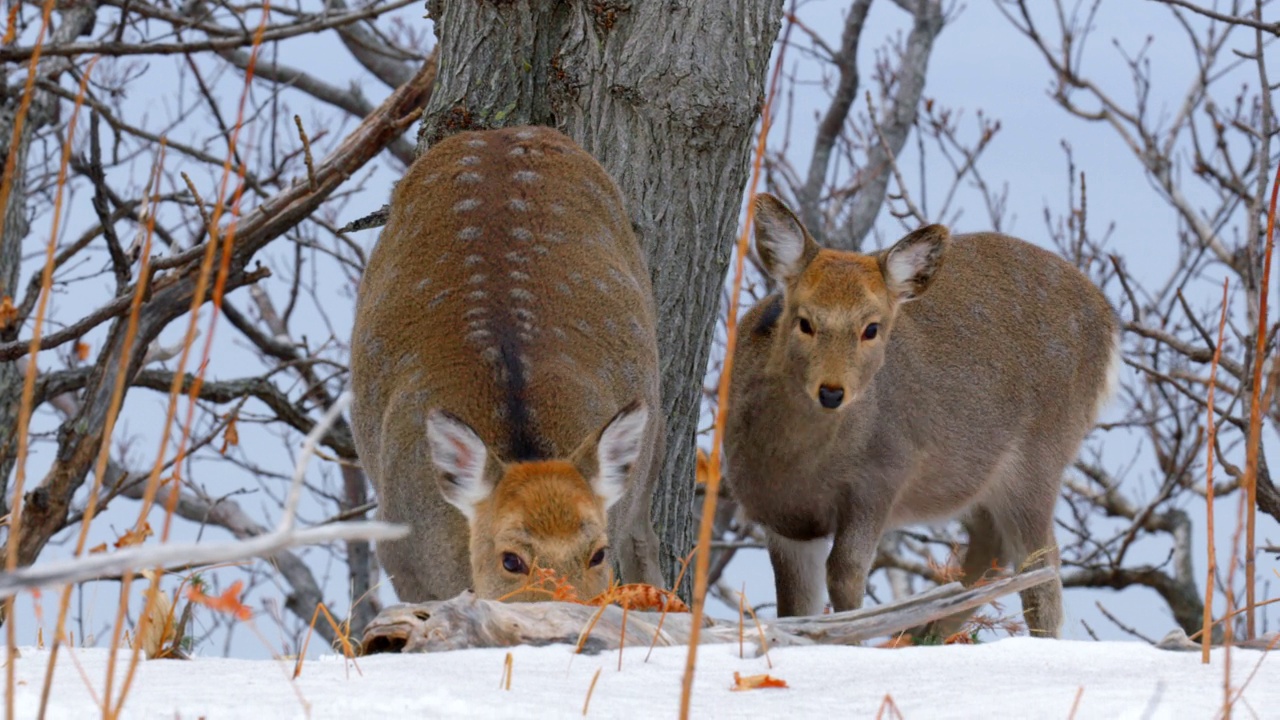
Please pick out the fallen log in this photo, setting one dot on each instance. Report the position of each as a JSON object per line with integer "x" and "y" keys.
{"x": 467, "y": 621}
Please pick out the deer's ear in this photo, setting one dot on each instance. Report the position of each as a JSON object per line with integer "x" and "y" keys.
{"x": 782, "y": 244}
{"x": 460, "y": 457}
{"x": 606, "y": 458}
{"x": 910, "y": 265}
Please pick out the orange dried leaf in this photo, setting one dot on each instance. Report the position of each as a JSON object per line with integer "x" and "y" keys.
{"x": 754, "y": 682}
{"x": 230, "y": 436}
{"x": 639, "y": 596}
{"x": 100, "y": 548}
{"x": 703, "y": 470}
{"x": 159, "y": 632}
{"x": 7, "y": 311}
{"x": 82, "y": 351}
{"x": 136, "y": 536}
{"x": 228, "y": 602}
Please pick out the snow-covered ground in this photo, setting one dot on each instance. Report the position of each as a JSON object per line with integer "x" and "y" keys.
{"x": 1011, "y": 678}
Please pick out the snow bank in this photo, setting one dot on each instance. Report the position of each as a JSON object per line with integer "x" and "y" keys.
{"x": 1012, "y": 678}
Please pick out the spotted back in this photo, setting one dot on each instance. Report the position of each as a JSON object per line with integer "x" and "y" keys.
{"x": 508, "y": 290}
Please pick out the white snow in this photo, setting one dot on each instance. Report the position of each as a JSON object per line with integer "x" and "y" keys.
{"x": 1010, "y": 678}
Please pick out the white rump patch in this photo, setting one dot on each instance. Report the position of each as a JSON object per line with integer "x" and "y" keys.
{"x": 1112, "y": 381}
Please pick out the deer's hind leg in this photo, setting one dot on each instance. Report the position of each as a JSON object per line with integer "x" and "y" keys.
{"x": 986, "y": 549}
{"x": 1026, "y": 520}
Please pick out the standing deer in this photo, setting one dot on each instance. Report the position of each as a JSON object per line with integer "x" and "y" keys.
{"x": 940, "y": 378}
{"x": 504, "y": 368}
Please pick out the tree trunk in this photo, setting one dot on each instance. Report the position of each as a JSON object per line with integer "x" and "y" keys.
{"x": 665, "y": 96}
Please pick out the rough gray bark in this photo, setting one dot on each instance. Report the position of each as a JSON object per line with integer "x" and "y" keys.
{"x": 665, "y": 96}
{"x": 15, "y": 229}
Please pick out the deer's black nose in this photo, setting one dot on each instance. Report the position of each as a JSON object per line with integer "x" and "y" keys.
{"x": 830, "y": 397}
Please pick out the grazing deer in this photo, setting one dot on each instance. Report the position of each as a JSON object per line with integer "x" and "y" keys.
{"x": 504, "y": 368}
{"x": 940, "y": 378}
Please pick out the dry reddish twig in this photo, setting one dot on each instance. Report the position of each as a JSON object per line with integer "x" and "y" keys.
{"x": 1075, "y": 704}
{"x": 764, "y": 640}
{"x": 342, "y": 631}
{"x": 113, "y": 411}
{"x": 702, "y": 562}
{"x": 46, "y": 289}
{"x": 590, "y": 689}
{"x": 1255, "y": 415}
{"x": 197, "y": 300}
{"x": 684, "y": 566}
{"x": 888, "y": 705}
{"x": 1211, "y": 446}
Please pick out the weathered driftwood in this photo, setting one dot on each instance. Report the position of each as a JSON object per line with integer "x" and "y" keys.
{"x": 1177, "y": 639}
{"x": 469, "y": 622}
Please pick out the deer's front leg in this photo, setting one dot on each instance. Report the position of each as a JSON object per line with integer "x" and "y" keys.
{"x": 797, "y": 573}
{"x": 852, "y": 555}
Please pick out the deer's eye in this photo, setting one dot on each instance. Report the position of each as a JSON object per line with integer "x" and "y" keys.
{"x": 514, "y": 564}
{"x": 597, "y": 558}
{"x": 870, "y": 331}
{"x": 806, "y": 327}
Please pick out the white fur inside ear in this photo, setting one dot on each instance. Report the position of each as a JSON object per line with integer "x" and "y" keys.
{"x": 903, "y": 264}
{"x": 618, "y": 450}
{"x": 779, "y": 241}
{"x": 910, "y": 265}
{"x": 459, "y": 455}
